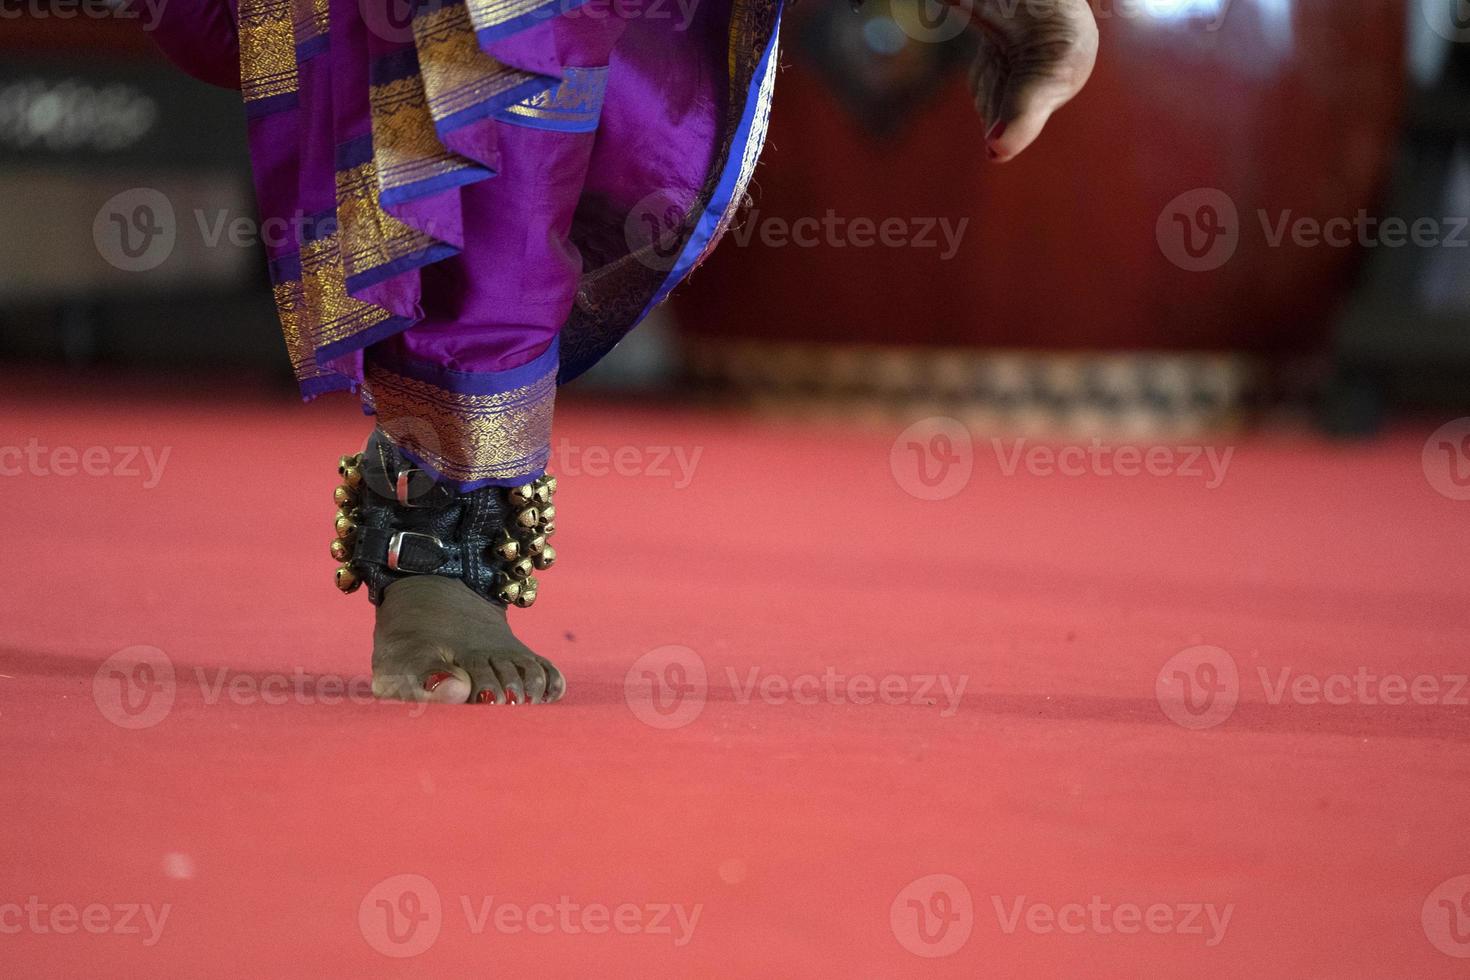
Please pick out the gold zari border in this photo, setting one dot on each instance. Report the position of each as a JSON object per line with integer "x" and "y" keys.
{"x": 465, "y": 437}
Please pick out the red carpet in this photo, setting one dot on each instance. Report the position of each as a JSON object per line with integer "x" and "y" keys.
{"x": 1080, "y": 830}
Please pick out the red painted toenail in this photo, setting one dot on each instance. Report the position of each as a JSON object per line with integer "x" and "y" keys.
{"x": 486, "y": 697}
{"x": 433, "y": 681}
{"x": 510, "y": 697}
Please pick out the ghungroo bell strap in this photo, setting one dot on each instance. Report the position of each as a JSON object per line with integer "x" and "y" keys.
{"x": 394, "y": 521}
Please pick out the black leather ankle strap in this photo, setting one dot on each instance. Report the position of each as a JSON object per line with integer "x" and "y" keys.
{"x": 394, "y": 520}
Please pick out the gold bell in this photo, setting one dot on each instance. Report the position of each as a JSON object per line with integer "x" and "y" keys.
{"x": 510, "y": 592}
{"x": 536, "y": 545}
{"x": 344, "y": 496}
{"x": 521, "y": 569}
{"x": 340, "y": 551}
{"x": 347, "y": 579}
{"x": 527, "y": 598}
{"x": 344, "y": 462}
{"x": 508, "y": 549}
{"x": 549, "y": 482}
{"x": 352, "y": 475}
{"x": 345, "y": 525}
{"x": 543, "y": 494}
{"x": 548, "y": 529}
{"x": 545, "y": 559}
{"x": 527, "y": 517}
{"x": 522, "y": 495}
{"x": 548, "y": 514}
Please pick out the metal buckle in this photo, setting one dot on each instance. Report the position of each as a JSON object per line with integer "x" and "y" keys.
{"x": 412, "y": 485}
{"x": 395, "y": 546}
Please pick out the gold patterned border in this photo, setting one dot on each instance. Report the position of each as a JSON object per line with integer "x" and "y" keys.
{"x": 291, "y": 307}
{"x": 370, "y": 236}
{"x": 457, "y": 74}
{"x": 574, "y": 105}
{"x": 329, "y": 315}
{"x": 405, "y": 146}
{"x": 312, "y": 19}
{"x": 490, "y": 14}
{"x": 466, "y": 438}
{"x": 267, "y": 49}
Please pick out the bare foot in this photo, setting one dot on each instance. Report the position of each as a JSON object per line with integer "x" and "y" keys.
{"x": 1034, "y": 56}
{"x": 436, "y": 640}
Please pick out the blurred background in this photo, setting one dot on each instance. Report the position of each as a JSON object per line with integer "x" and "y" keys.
{"x": 1257, "y": 207}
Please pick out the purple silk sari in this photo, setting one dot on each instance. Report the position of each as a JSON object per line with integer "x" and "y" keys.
{"x": 485, "y": 196}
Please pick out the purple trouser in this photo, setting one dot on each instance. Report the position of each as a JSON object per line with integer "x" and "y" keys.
{"x": 484, "y": 195}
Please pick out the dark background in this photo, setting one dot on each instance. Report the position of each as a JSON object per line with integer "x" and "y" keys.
{"x": 1312, "y": 110}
